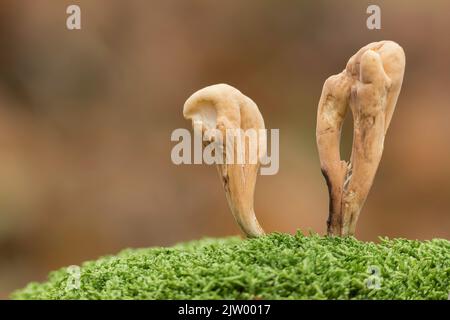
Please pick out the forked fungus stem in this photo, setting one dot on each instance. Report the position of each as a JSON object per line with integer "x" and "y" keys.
{"x": 369, "y": 86}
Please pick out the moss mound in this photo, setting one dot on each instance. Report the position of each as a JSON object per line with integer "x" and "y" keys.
{"x": 277, "y": 266}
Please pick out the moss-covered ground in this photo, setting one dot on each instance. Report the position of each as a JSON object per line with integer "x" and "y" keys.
{"x": 276, "y": 266}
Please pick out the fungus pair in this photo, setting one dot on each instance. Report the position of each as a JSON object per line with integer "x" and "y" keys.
{"x": 369, "y": 86}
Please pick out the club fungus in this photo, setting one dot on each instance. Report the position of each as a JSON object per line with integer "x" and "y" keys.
{"x": 224, "y": 116}
{"x": 370, "y": 86}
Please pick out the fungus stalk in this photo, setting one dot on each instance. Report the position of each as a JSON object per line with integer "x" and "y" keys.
{"x": 369, "y": 86}
{"x": 223, "y": 109}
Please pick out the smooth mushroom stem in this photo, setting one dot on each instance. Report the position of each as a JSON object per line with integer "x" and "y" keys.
{"x": 226, "y": 109}
{"x": 370, "y": 86}
{"x": 239, "y": 185}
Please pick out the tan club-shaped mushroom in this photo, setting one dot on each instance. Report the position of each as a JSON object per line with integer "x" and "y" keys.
{"x": 227, "y": 110}
{"x": 370, "y": 86}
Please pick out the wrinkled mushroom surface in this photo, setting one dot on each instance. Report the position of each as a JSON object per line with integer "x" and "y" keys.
{"x": 369, "y": 86}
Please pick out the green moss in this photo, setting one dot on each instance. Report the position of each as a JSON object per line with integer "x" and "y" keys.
{"x": 277, "y": 266}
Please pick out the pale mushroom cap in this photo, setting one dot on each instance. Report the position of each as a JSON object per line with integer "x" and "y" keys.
{"x": 222, "y": 103}
{"x": 392, "y": 56}
{"x": 393, "y": 61}
{"x": 222, "y": 107}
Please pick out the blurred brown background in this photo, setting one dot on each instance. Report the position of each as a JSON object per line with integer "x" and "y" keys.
{"x": 86, "y": 118}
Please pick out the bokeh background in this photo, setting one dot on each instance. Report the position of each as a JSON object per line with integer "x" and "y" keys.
{"x": 86, "y": 118}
